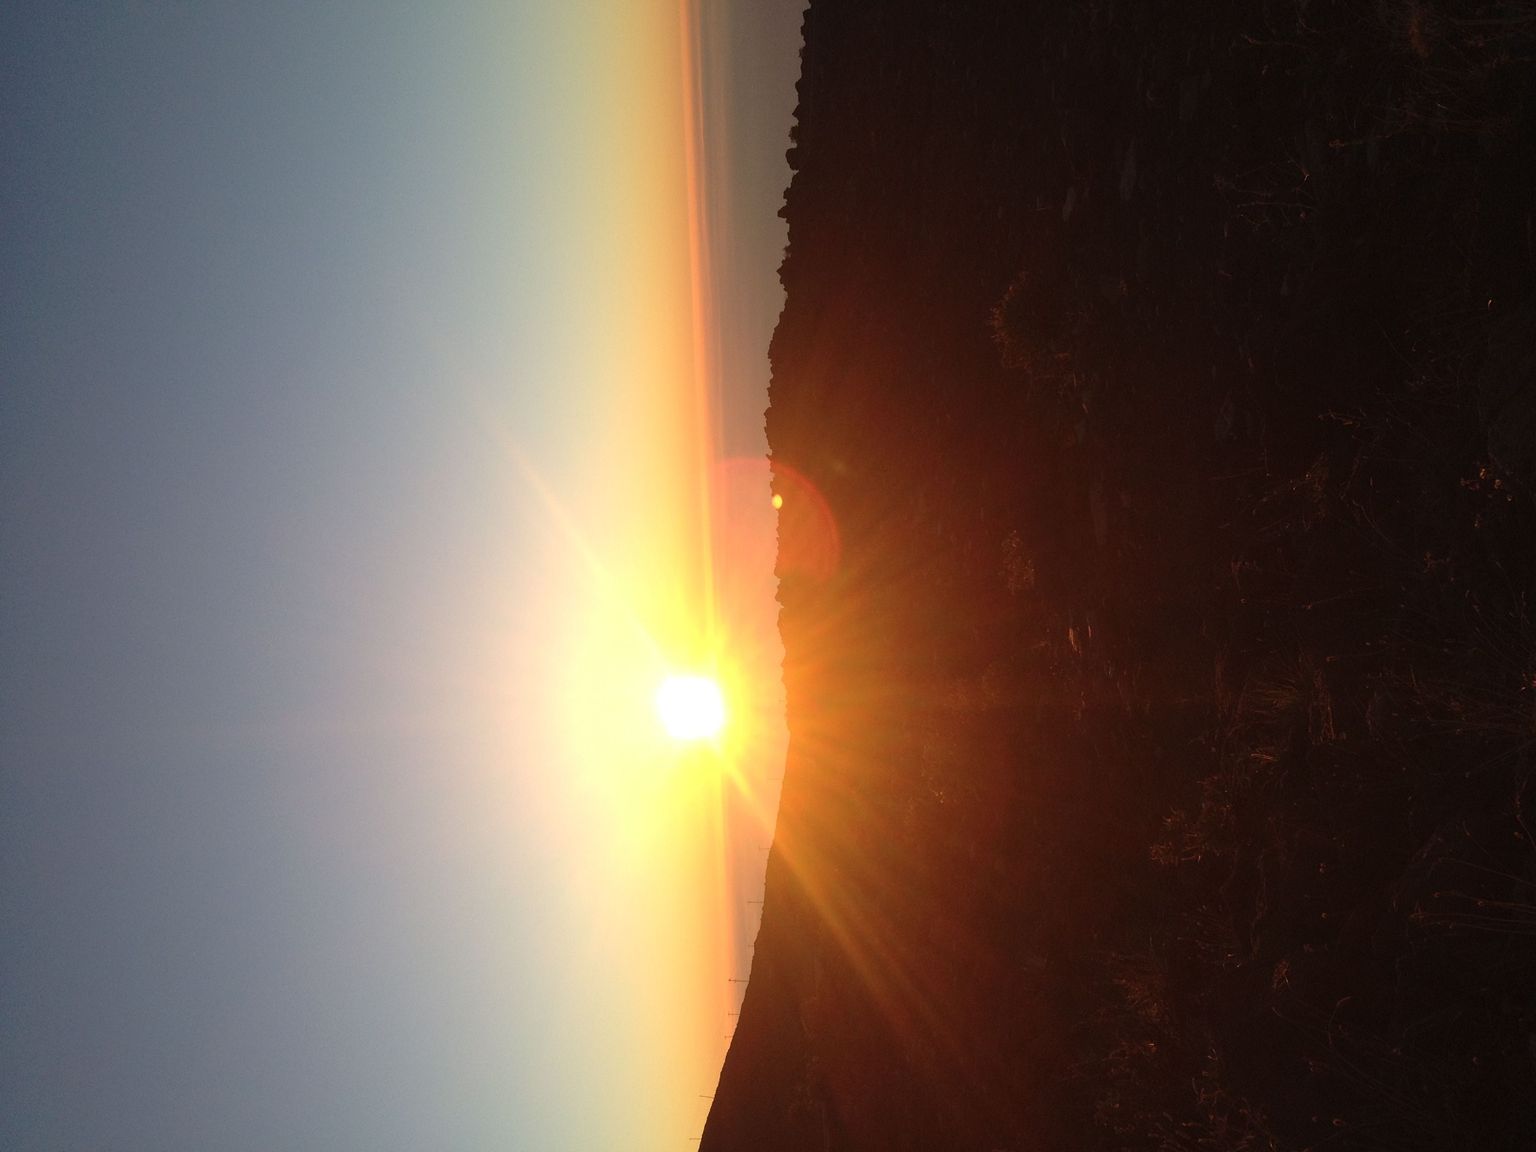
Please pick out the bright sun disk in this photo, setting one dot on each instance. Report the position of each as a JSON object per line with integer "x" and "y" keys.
{"x": 690, "y": 707}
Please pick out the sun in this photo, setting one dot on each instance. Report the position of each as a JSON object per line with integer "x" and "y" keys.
{"x": 691, "y": 707}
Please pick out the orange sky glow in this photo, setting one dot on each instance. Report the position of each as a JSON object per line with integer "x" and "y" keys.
{"x": 665, "y": 573}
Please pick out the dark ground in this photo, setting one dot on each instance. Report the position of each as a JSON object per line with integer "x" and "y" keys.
{"x": 1161, "y": 667}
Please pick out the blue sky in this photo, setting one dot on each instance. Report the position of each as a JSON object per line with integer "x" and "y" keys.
{"x": 293, "y": 300}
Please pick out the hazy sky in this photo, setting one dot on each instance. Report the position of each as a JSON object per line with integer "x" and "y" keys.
{"x": 380, "y": 414}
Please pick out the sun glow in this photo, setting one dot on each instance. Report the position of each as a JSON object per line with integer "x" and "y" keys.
{"x": 690, "y": 707}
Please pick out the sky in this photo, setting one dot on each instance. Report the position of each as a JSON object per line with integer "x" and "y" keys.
{"x": 381, "y": 392}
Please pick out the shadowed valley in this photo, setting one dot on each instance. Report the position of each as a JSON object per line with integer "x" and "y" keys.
{"x": 1154, "y": 415}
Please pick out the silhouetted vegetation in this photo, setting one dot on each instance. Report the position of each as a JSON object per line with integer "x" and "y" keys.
{"x": 1161, "y": 743}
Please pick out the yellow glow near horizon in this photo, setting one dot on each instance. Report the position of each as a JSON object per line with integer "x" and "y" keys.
{"x": 690, "y": 707}
{"x": 647, "y": 813}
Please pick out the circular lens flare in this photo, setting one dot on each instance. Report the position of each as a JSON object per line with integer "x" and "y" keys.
{"x": 690, "y": 707}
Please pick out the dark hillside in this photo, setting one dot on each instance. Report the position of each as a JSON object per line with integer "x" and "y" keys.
{"x": 1154, "y": 411}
